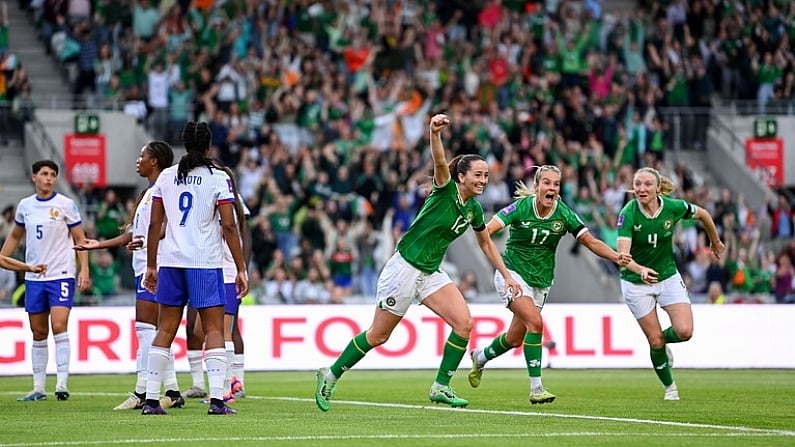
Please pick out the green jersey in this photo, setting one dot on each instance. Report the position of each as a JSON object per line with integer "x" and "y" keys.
{"x": 652, "y": 236}
{"x": 530, "y": 250}
{"x": 442, "y": 218}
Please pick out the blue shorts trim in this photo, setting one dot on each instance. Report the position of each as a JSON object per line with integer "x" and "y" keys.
{"x": 141, "y": 293}
{"x": 197, "y": 288}
{"x": 40, "y": 296}
{"x": 232, "y": 303}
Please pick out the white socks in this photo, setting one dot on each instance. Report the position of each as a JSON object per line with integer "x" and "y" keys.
{"x": 229, "y": 347}
{"x": 146, "y": 333}
{"x": 39, "y": 356}
{"x": 196, "y": 369}
{"x": 238, "y": 365}
{"x": 62, "y": 354}
{"x": 215, "y": 361}
{"x": 157, "y": 364}
{"x": 481, "y": 357}
{"x": 170, "y": 375}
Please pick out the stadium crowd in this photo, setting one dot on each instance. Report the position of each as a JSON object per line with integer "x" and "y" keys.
{"x": 321, "y": 108}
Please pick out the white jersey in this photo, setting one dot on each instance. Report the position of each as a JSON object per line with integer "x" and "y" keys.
{"x": 192, "y": 237}
{"x": 140, "y": 227}
{"x": 230, "y": 270}
{"x": 48, "y": 239}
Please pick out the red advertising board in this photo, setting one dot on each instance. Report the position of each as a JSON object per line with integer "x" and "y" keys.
{"x": 84, "y": 157}
{"x": 765, "y": 156}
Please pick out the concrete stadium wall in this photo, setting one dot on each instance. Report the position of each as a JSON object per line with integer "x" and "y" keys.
{"x": 124, "y": 139}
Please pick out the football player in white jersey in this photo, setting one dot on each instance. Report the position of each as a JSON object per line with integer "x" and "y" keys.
{"x": 233, "y": 340}
{"x": 187, "y": 269}
{"x": 155, "y": 157}
{"x": 51, "y": 224}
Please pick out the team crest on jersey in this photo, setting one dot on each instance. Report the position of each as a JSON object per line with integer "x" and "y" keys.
{"x": 667, "y": 224}
{"x": 54, "y": 213}
{"x": 557, "y": 226}
{"x": 620, "y": 221}
{"x": 508, "y": 210}
{"x": 469, "y": 216}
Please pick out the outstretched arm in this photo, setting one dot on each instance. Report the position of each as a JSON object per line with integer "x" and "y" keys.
{"x": 93, "y": 244}
{"x": 715, "y": 244}
{"x": 9, "y": 263}
{"x": 599, "y": 248}
{"x": 441, "y": 172}
{"x": 648, "y": 275}
{"x": 493, "y": 254}
{"x": 12, "y": 241}
{"x": 83, "y": 275}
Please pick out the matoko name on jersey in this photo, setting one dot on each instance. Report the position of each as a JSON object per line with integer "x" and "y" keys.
{"x": 188, "y": 180}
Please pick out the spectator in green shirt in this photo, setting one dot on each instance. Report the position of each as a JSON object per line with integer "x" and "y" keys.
{"x": 104, "y": 275}
{"x": 767, "y": 74}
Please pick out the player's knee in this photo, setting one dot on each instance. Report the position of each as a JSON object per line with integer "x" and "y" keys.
{"x": 463, "y": 327}
{"x": 656, "y": 341}
{"x": 535, "y": 326}
{"x": 514, "y": 340}
{"x": 39, "y": 335}
{"x": 684, "y": 334}
{"x": 377, "y": 339}
{"x": 58, "y": 327}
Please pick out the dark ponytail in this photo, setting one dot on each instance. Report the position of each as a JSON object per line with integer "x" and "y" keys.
{"x": 461, "y": 164}
{"x": 196, "y": 137}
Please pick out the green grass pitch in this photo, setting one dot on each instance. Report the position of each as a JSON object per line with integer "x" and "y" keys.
{"x": 606, "y": 407}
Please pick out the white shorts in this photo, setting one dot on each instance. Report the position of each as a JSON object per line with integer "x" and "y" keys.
{"x": 537, "y": 294}
{"x": 643, "y": 298}
{"x": 401, "y": 284}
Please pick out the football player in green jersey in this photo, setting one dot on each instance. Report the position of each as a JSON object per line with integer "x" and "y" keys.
{"x": 413, "y": 275}
{"x": 646, "y": 231}
{"x": 538, "y": 221}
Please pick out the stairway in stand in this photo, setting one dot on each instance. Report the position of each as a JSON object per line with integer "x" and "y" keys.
{"x": 50, "y": 89}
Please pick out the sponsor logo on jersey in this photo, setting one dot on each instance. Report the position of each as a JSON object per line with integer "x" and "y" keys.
{"x": 508, "y": 210}
{"x": 637, "y": 227}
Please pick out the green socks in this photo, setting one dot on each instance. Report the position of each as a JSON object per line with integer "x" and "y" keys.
{"x": 355, "y": 351}
{"x": 498, "y": 347}
{"x": 659, "y": 360}
{"x": 670, "y": 336}
{"x": 532, "y": 353}
{"x": 454, "y": 350}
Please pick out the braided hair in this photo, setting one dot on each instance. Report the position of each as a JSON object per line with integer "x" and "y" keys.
{"x": 162, "y": 152}
{"x": 196, "y": 137}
